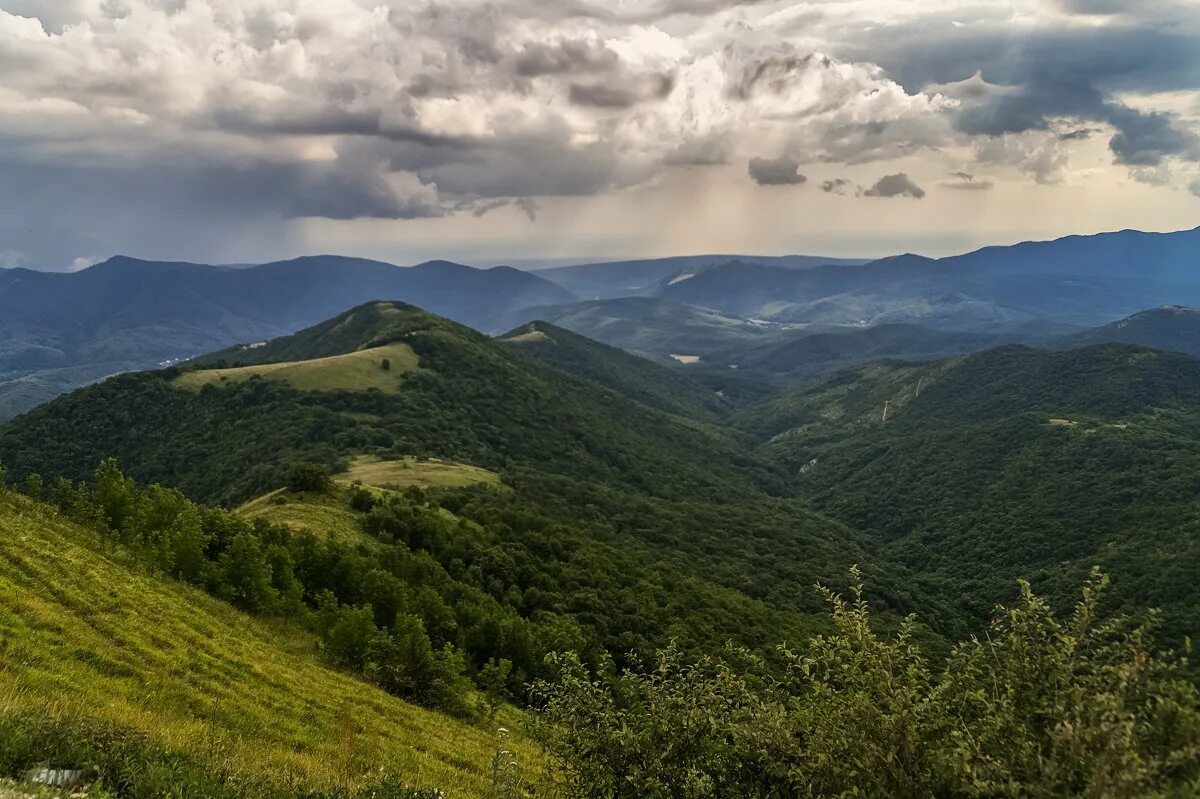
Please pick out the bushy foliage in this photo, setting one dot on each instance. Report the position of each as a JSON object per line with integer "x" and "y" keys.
{"x": 1039, "y": 707}
{"x": 306, "y": 476}
{"x": 357, "y": 607}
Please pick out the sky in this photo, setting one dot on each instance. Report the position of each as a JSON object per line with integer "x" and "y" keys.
{"x": 238, "y": 131}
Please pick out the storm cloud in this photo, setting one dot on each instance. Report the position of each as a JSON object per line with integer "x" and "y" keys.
{"x": 775, "y": 172}
{"x": 897, "y": 185}
{"x": 250, "y": 113}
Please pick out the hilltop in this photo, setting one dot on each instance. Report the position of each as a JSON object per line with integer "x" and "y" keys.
{"x": 1172, "y": 327}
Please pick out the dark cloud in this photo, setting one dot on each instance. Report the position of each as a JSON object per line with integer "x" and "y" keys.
{"x": 1104, "y": 7}
{"x": 1145, "y": 139}
{"x": 1141, "y": 138}
{"x": 478, "y": 208}
{"x": 781, "y": 171}
{"x": 965, "y": 181}
{"x": 898, "y": 185}
{"x": 773, "y": 75}
{"x": 1078, "y": 134}
{"x": 623, "y": 92}
{"x": 835, "y": 186}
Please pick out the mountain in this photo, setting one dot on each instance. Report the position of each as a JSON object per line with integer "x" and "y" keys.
{"x": 649, "y": 383}
{"x": 657, "y": 328}
{"x": 455, "y": 393}
{"x": 610, "y": 525}
{"x": 1014, "y": 462}
{"x": 1077, "y": 280}
{"x": 165, "y": 689}
{"x": 63, "y": 329}
{"x": 1172, "y": 327}
{"x": 608, "y": 280}
{"x": 808, "y": 353}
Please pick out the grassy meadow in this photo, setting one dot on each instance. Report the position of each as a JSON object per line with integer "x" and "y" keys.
{"x": 88, "y": 642}
{"x": 355, "y": 371}
{"x": 422, "y": 473}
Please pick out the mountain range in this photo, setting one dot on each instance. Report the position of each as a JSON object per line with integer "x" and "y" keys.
{"x": 61, "y": 331}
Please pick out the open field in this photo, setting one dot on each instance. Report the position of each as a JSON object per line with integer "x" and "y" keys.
{"x": 88, "y": 641}
{"x": 430, "y": 473}
{"x": 322, "y": 514}
{"x": 355, "y": 371}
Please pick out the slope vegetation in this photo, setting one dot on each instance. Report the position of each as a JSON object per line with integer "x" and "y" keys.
{"x": 1019, "y": 462}
{"x": 377, "y": 368}
{"x": 652, "y": 384}
{"x": 98, "y": 650}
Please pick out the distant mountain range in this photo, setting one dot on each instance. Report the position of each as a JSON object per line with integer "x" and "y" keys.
{"x": 608, "y": 280}
{"x": 58, "y": 331}
{"x": 1078, "y": 280}
{"x": 795, "y": 316}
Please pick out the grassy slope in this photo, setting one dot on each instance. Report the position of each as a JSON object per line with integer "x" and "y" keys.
{"x": 87, "y": 637}
{"x": 422, "y": 473}
{"x": 326, "y": 515}
{"x": 355, "y": 371}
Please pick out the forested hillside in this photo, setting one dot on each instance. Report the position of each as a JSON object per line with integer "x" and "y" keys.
{"x": 469, "y": 398}
{"x": 1023, "y": 463}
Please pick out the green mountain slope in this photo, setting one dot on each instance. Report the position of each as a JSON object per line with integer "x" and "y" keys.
{"x": 657, "y": 386}
{"x": 657, "y": 328}
{"x": 469, "y": 399}
{"x": 153, "y": 680}
{"x": 1020, "y": 462}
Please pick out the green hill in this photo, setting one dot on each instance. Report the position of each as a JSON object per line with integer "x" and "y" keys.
{"x": 465, "y": 398}
{"x": 167, "y": 689}
{"x": 649, "y": 383}
{"x": 1019, "y": 462}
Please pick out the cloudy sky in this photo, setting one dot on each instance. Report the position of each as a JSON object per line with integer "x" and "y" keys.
{"x": 245, "y": 130}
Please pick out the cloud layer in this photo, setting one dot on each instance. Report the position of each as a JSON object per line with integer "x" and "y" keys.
{"x": 270, "y": 110}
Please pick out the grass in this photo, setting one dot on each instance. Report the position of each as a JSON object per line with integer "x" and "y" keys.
{"x": 355, "y": 371}
{"x": 323, "y": 514}
{"x": 87, "y": 640}
{"x": 423, "y": 473}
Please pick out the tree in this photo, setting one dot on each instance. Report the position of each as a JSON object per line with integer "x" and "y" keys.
{"x": 348, "y": 641}
{"x": 385, "y": 364}
{"x": 307, "y": 476}
{"x": 34, "y": 486}
{"x": 246, "y": 574}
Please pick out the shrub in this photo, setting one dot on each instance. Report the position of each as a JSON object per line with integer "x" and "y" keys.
{"x": 308, "y": 477}
{"x": 1037, "y": 708}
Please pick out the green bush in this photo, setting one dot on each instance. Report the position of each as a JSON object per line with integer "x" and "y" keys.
{"x": 1037, "y": 708}
{"x": 308, "y": 477}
